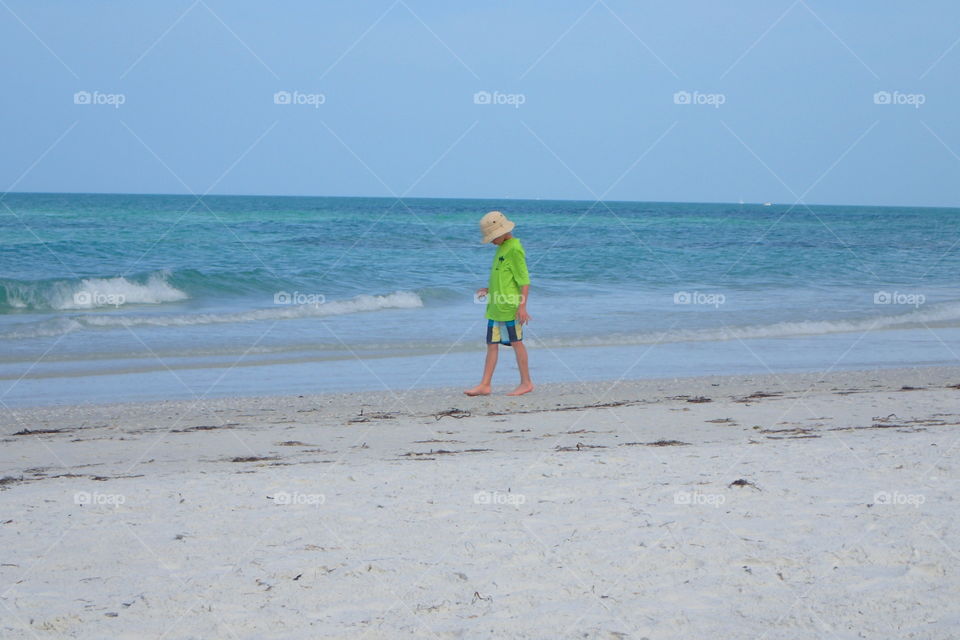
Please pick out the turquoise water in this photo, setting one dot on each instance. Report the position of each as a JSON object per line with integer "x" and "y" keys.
{"x": 124, "y": 297}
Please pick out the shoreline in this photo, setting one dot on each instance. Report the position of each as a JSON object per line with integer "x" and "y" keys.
{"x": 621, "y": 389}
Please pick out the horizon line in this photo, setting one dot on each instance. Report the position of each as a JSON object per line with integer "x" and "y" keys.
{"x": 476, "y": 198}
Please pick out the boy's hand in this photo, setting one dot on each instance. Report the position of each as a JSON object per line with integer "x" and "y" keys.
{"x": 522, "y": 316}
{"x": 481, "y": 293}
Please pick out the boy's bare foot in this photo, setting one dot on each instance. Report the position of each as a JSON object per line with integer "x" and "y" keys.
{"x": 479, "y": 390}
{"x": 522, "y": 389}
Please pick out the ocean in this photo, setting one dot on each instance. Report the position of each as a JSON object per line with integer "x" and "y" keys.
{"x": 108, "y": 298}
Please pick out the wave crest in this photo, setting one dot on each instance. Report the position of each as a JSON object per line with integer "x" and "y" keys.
{"x": 88, "y": 293}
{"x": 357, "y": 304}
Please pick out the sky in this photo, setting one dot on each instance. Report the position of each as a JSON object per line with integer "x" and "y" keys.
{"x": 833, "y": 102}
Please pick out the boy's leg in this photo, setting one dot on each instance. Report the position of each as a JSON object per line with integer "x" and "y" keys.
{"x": 526, "y": 385}
{"x": 489, "y": 365}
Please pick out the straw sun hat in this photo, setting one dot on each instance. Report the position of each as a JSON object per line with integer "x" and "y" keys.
{"x": 493, "y": 225}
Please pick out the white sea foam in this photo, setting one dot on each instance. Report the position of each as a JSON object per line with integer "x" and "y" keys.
{"x": 946, "y": 314}
{"x": 357, "y": 304}
{"x": 932, "y": 316}
{"x": 92, "y": 293}
{"x": 51, "y": 328}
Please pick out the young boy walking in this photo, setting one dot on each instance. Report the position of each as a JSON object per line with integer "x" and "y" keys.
{"x": 506, "y": 302}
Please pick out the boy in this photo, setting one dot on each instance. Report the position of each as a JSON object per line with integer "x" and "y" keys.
{"x": 506, "y": 302}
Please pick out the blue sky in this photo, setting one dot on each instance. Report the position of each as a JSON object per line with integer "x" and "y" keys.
{"x": 588, "y": 99}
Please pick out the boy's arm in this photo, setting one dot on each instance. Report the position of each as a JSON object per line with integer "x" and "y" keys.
{"x": 522, "y": 316}
{"x": 518, "y": 267}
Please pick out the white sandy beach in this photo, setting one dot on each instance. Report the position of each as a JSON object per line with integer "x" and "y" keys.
{"x": 794, "y": 506}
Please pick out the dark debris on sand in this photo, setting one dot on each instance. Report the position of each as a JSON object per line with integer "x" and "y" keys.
{"x": 206, "y": 427}
{"x": 658, "y": 443}
{"x": 444, "y": 452}
{"x": 378, "y": 415}
{"x": 35, "y": 432}
{"x": 452, "y": 413}
{"x": 758, "y": 395}
{"x": 580, "y": 446}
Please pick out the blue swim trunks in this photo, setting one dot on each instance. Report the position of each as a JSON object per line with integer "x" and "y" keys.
{"x": 504, "y": 332}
